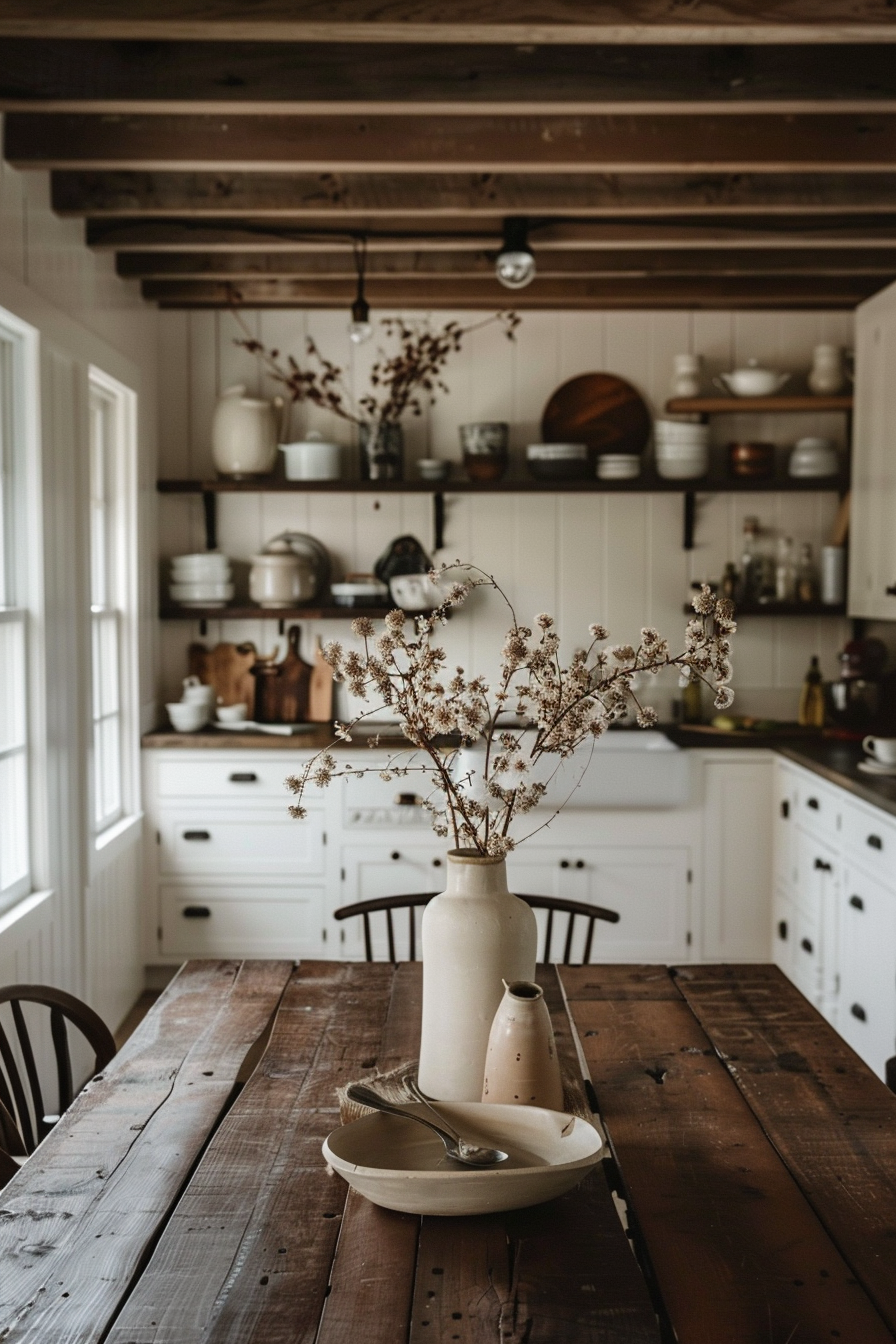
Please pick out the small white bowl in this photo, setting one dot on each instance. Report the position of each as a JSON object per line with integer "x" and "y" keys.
{"x": 433, "y": 468}
{"x": 400, "y": 1165}
{"x": 186, "y": 717}
{"x": 359, "y": 594}
{"x": 618, "y": 466}
{"x": 553, "y": 452}
{"x": 683, "y": 469}
{"x": 201, "y": 594}
{"x": 232, "y": 713}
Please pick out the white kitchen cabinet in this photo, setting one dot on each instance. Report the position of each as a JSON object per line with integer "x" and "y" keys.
{"x": 867, "y": 932}
{"x": 387, "y": 865}
{"x": 737, "y": 861}
{"x": 872, "y": 558}
{"x": 814, "y": 951}
{"x": 204, "y": 919}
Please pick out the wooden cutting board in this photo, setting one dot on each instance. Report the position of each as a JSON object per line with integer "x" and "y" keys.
{"x": 320, "y": 692}
{"x": 598, "y": 409}
{"x": 227, "y": 667}
{"x": 289, "y": 690}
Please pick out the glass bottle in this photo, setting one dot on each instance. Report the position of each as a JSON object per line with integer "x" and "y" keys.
{"x": 692, "y": 700}
{"x": 785, "y": 573}
{"x": 811, "y": 710}
{"x": 806, "y": 575}
{"x": 749, "y": 561}
{"x": 730, "y": 586}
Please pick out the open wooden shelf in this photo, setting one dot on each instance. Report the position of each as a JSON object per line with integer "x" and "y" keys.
{"x": 738, "y": 405}
{"x": 647, "y": 482}
{"x": 783, "y": 609}
{"x": 170, "y": 611}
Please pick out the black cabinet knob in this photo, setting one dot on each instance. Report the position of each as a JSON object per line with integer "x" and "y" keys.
{"x": 813, "y": 803}
{"x": 244, "y": 777}
{"x": 196, "y": 912}
{"x": 564, "y": 863}
{"x": 785, "y": 808}
{"x": 580, "y": 863}
{"x": 857, "y": 903}
{"x": 823, "y": 866}
{"x": 395, "y": 854}
{"x": 806, "y": 945}
{"x": 197, "y": 835}
{"x": 782, "y": 930}
{"x": 875, "y": 842}
{"x": 858, "y": 1011}
{"x": 437, "y": 863}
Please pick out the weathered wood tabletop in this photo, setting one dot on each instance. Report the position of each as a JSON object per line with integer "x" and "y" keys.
{"x": 183, "y": 1197}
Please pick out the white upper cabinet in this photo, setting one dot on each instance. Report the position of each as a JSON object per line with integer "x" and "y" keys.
{"x": 872, "y": 578}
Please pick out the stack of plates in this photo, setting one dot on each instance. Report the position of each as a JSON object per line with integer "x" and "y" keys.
{"x": 201, "y": 580}
{"x": 618, "y": 466}
{"x": 557, "y": 461}
{"x": 682, "y": 449}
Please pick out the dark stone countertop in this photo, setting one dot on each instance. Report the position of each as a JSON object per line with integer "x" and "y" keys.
{"x": 837, "y": 762}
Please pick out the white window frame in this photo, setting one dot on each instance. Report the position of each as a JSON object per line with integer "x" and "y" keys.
{"x": 120, "y": 609}
{"x": 22, "y": 576}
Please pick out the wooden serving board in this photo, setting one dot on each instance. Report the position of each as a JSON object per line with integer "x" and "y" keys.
{"x": 227, "y": 667}
{"x": 600, "y": 410}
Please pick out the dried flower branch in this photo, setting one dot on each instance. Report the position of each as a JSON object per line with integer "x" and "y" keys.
{"x": 444, "y": 715}
{"x": 406, "y": 380}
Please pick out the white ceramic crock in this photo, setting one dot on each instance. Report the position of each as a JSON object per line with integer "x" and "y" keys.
{"x": 280, "y": 578}
{"x": 244, "y": 434}
{"x": 312, "y": 459}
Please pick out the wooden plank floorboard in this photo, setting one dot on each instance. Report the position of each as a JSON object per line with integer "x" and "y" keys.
{"x": 76, "y": 1221}
{"x": 803, "y": 1081}
{"x": 738, "y": 1253}
{"x": 246, "y": 1255}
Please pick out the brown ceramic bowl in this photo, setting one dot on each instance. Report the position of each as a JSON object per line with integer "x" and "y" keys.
{"x": 753, "y": 460}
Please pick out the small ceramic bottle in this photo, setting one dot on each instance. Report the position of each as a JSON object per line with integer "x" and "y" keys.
{"x": 521, "y": 1065}
{"x": 685, "y": 376}
{"x": 827, "y": 375}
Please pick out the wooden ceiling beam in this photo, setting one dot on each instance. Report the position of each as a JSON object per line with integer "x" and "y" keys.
{"x": 467, "y": 265}
{"x": 511, "y": 143}
{"x": 447, "y": 195}
{"x": 578, "y": 293}
{"x": 502, "y": 21}
{"x": 385, "y": 234}
{"x": 46, "y": 75}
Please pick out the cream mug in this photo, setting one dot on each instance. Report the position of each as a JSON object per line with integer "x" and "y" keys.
{"x": 883, "y": 749}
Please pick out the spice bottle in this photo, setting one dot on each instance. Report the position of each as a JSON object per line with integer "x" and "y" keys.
{"x": 806, "y": 576}
{"x": 811, "y": 710}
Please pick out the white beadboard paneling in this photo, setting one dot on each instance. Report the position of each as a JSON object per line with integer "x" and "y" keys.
{"x": 113, "y": 935}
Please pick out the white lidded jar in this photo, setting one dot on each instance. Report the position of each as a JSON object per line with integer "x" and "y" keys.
{"x": 279, "y": 578}
{"x": 476, "y": 935}
{"x": 244, "y": 434}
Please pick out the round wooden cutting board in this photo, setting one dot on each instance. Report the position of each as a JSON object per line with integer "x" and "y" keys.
{"x": 600, "y": 410}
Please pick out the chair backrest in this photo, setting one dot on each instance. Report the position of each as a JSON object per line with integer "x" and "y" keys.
{"x": 23, "y": 1117}
{"x": 554, "y": 905}
{"x": 890, "y": 1073}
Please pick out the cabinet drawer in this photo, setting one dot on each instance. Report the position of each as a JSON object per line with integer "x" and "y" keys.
{"x": 818, "y": 808}
{"x": 806, "y": 963}
{"x": 203, "y": 921}
{"x": 869, "y": 839}
{"x": 784, "y": 931}
{"x": 867, "y": 1007}
{"x": 245, "y": 779}
{"x": 256, "y": 842}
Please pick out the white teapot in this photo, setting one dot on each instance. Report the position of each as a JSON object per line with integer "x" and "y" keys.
{"x": 752, "y": 381}
{"x": 244, "y": 433}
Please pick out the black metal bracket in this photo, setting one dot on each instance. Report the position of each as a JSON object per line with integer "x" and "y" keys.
{"x": 690, "y": 514}
{"x": 210, "y": 512}
{"x": 438, "y": 520}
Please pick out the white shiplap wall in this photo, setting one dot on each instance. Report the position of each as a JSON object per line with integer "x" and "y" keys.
{"x": 613, "y": 558}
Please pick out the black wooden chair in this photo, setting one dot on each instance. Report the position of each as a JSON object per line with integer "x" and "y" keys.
{"x": 24, "y": 1120}
{"x": 552, "y": 904}
{"x": 890, "y": 1073}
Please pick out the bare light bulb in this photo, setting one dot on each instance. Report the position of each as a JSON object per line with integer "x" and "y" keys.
{"x": 360, "y": 328}
{"x": 515, "y": 266}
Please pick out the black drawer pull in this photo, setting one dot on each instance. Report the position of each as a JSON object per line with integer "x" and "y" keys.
{"x": 197, "y": 835}
{"x": 858, "y": 1011}
{"x": 408, "y": 800}
{"x": 875, "y": 842}
{"x": 437, "y": 863}
{"x": 196, "y": 912}
{"x": 891, "y": 591}
{"x": 806, "y": 946}
{"x": 813, "y": 803}
{"x": 782, "y": 930}
{"x": 243, "y": 777}
{"x": 785, "y": 808}
{"x": 857, "y": 903}
{"x": 395, "y": 854}
{"x": 823, "y": 866}
{"x": 564, "y": 863}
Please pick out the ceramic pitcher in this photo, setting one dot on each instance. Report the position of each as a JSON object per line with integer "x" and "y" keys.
{"x": 521, "y": 1064}
{"x": 244, "y": 434}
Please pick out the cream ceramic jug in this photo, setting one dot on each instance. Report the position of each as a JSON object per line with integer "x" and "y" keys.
{"x": 244, "y": 434}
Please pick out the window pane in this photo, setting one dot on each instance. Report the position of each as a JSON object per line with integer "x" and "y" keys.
{"x": 106, "y": 663}
{"x": 13, "y": 821}
{"x": 12, "y": 685}
{"x": 107, "y": 756}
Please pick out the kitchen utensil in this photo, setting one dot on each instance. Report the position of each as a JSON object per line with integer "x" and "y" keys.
{"x": 600, "y": 410}
{"x": 227, "y": 668}
{"x": 320, "y": 689}
{"x": 484, "y": 448}
{"x": 813, "y": 457}
{"x": 272, "y": 729}
{"x": 244, "y": 434}
{"x": 882, "y": 749}
{"x": 402, "y": 1166}
{"x": 280, "y": 577}
{"x": 195, "y": 693}
{"x": 827, "y": 375}
{"x": 187, "y": 717}
{"x": 751, "y": 381}
{"x": 433, "y": 468}
{"x": 312, "y": 458}
{"x": 557, "y": 461}
{"x": 618, "y": 466}
{"x": 228, "y": 714}
{"x": 292, "y": 685}
{"x": 382, "y": 451}
{"x": 458, "y": 1148}
{"x": 360, "y": 592}
{"x": 754, "y": 460}
{"x": 840, "y": 529}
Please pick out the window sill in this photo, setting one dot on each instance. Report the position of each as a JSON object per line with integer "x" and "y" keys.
{"x": 23, "y": 907}
{"x": 119, "y": 836}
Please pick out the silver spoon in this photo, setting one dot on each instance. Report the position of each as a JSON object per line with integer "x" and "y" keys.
{"x": 468, "y": 1153}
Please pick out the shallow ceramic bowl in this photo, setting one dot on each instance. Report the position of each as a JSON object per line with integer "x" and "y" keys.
{"x": 618, "y": 466}
{"x": 400, "y": 1165}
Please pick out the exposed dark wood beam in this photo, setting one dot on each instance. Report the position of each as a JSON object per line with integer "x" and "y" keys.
{"x": 512, "y": 143}
{"x": 398, "y": 233}
{"x": 427, "y": 293}
{"x": 238, "y": 266}
{"x": 513, "y": 21}
{"x": 125, "y": 194}
{"x": 40, "y": 74}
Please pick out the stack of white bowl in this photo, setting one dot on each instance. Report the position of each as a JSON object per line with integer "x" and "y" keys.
{"x": 682, "y": 449}
{"x": 201, "y": 580}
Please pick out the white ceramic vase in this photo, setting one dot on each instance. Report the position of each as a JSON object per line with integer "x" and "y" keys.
{"x": 476, "y": 935}
{"x": 521, "y": 1064}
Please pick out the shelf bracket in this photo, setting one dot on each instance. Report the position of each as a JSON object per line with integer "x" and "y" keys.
{"x": 690, "y": 513}
{"x": 210, "y": 514}
{"x": 438, "y": 520}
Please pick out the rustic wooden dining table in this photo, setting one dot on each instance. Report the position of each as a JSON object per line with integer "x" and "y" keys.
{"x": 748, "y": 1193}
